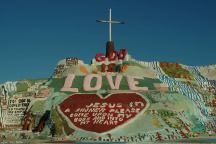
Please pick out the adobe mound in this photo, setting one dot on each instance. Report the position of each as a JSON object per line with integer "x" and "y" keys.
{"x": 123, "y": 101}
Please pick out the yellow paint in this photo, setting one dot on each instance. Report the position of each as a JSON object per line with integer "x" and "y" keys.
{"x": 155, "y": 122}
{"x": 124, "y": 68}
{"x": 83, "y": 70}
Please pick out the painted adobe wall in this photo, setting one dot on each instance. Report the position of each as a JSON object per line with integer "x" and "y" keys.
{"x": 82, "y": 103}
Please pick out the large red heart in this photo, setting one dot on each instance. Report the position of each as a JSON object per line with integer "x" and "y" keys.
{"x": 91, "y": 112}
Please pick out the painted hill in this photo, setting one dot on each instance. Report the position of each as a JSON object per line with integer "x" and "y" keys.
{"x": 123, "y": 101}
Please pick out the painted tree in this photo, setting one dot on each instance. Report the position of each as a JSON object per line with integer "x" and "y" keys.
{"x": 53, "y": 129}
{"x": 158, "y": 136}
{"x": 183, "y": 134}
{"x": 42, "y": 122}
{"x": 27, "y": 121}
{"x": 186, "y": 126}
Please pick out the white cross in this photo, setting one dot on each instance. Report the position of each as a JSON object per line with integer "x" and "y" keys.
{"x": 110, "y": 23}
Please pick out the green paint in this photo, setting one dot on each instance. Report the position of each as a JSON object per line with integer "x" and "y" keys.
{"x": 58, "y": 122}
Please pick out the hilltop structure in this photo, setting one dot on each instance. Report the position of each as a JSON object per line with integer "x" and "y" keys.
{"x": 114, "y": 99}
{"x": 112, "y": 58}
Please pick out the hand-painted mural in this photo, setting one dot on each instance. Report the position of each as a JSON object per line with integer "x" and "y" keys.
{"x": 139, "y": 102}
{"x": 98, "y": 114}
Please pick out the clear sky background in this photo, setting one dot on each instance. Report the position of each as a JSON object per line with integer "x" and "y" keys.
{"x": 36, "y": 34}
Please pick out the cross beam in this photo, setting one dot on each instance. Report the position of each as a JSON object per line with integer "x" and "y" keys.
{"x": 110, "y": 22}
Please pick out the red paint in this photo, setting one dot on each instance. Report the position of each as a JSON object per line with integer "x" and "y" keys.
{"x": 122, "y": 54}
{"x": 115, "y": 56}
{"x": 100, "y": 57}
{"x": 130, "y": 104}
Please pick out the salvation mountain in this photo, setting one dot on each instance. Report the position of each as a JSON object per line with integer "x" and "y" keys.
{"x": 114, "y": 99}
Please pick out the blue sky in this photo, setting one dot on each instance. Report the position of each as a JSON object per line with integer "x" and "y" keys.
{"x": 36, "y": 34}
